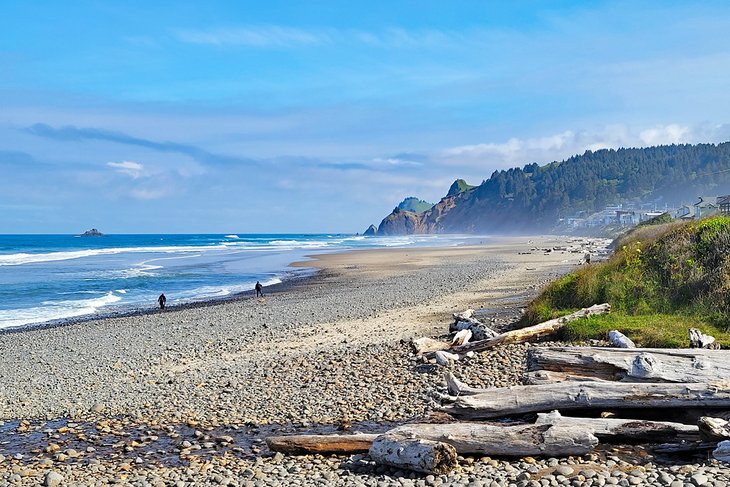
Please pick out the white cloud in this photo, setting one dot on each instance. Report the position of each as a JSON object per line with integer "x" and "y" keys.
{"x": 253, "y": 36}
{"x": 130, "y": 168}
{"x": 556, "y": 147}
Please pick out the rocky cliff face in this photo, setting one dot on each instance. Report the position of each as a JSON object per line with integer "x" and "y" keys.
{"x": 401, "y": 222}
{"x": 371, "y": 231}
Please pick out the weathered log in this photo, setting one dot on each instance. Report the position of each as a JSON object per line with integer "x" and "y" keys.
{"x": 413, "y": 454}
{"x": 722, "y": 452}
{"x": 306, "y": 444}
{"x": 458, "y": 388}
{"x": 425, "y": 345}
{"x": 515, "y": 400}
{"x": 461, "y": 337}
{"x": 445, "y": 358}
{"x": 697, "y": 339}
{"x": 619, "y": 340}
{"x": 684, "y": 447}
{"x": 466, "y": 321}
{"x": 532, "y": 332}
{"x": 504, "y": 440}
{"x": 613, "y": 430}
{"x": 548, "y": 377}
{"x": 714, "y": 428}
{"x": 633, "y": 365}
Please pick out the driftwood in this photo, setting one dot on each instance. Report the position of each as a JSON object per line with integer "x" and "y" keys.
{"x": 466, "y": 321}
{"x": 685, "y": 447}
{"x": 548, "y": 377}
{"x": 445, "y": 358}
{"x": 425, "y": 345}
{"x": 633, "y": 365}
{"x": 714, "y": 428}
{"x": 613, "y": 430}
{"x": 461, "y": 337}
{"x": 697, "y": 339}
{"x": 532, "y": 332}
{"x": 413, "y": 454}
{"x": 504, "y": 440}
{"x": 508, "y": 401}
{"x": 619, "y": 340}
{"x": 722, "y": 452}
{"x": 304, "y": 444}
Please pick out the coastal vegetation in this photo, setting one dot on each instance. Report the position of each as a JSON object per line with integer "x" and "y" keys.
{"x": 661, "y": 280}
{"x": 415, "y": 205}
{"x": 534, "y": 198}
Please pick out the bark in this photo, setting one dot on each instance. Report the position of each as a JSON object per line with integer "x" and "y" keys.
{"x": 532, "y": 332}
{"x": 306, "y": 444}
{"x": 619, "y": 340}
{"x": 612, "y": 430}
{"x": 413, "y": 454}
{"x": 633, "y": 365}
{"x": 714, "y": 428}
{"x": 509, "y": 401}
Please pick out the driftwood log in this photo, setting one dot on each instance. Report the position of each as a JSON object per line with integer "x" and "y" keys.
{"x": 697, "y": 339}
{"x": 714, "y": 428}
{"x": 633, "y": 365}
{"x": 426, "y": 345}
{"x": 548, "y": 377}
{"x": 461, "y": 337}
{"x": 305, "y": 444}
{"x": 466, "y": 321}
{"x": 509, "y": 401}
{"x": 612, "y": 430}
{"x": 619, "y": 340}
{"x": 532, "y": 332}
{"x": 413, "y": 454}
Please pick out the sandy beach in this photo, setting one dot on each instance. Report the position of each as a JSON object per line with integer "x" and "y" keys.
{"x": 186, "y": 396}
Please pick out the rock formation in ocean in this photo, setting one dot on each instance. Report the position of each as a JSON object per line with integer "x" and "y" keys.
{"x": 371, "y": 231}
{"x": 92, "y": 233}
{"x": 401, "y": 222}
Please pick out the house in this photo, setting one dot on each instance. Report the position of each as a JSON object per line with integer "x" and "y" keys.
{"x": 723, "y": 203}
{"x": 707, "y": 205}
{"x": 684, "y": 213}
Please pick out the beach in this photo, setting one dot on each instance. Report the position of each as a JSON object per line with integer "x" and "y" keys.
{"x": 186, "y": 396}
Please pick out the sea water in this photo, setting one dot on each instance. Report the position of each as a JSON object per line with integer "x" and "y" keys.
{"x": 52, "y": 278}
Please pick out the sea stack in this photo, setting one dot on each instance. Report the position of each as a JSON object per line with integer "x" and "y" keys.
{"x": 92, "y": 233}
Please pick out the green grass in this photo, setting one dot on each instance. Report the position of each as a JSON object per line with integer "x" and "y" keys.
{"x": 661, "y": 280}
{"x": 653, "y": 330}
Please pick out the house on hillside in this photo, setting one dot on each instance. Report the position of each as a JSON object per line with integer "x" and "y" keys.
{"x": 707, "y": 205}
{"x": 723, "y": 203}
{"x": 684, "y": 213}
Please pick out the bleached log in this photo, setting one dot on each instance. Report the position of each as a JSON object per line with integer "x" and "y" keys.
{"x": 463, "y": 316}
{"x": 413, "y": 454}
{"x": 461, "y": 337}
{"x": 722, "y": 452}
{"x": 549, "y": 377}
{"x": 306, "y": 444}
{"x": 685, "y": 447}
{"x": 504, "y": 440}
{"x": 633, "y": 365}
{"x": 509, "y": 401}
{"x": 619, "y": 340}
{"x": 425, "y": 345}
{"x": 532, "y": 332}
{"x": 614, "y": 430}
{"x": 697, "y": 339}
{"x": 445, "y": 358}
{"x": 714, "y": 428}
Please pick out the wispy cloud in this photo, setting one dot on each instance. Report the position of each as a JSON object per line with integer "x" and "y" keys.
{"x": 130, "y": 168}
{"x": 253, "y": 36}
{"x": 71, "y": 133}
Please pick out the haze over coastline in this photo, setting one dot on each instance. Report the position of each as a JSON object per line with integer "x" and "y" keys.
{"x": 281, "y": 117}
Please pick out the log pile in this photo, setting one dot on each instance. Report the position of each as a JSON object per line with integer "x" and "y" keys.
{"x": 595, "y": 384}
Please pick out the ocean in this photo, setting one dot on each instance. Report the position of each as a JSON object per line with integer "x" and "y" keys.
{"x": 56, "y": 278}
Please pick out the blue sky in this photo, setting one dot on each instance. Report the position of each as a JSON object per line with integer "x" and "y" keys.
{"x": 288, "y": 116}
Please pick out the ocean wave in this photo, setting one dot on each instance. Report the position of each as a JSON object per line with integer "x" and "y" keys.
{"x": 24, "y": 258}
{"x": 55, "y": 310}
{"x": 208, "y": 292}
{"x": 232, "y": 236}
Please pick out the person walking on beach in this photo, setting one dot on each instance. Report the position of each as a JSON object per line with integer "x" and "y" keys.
{"x": 259, "y": 289}
{"x": 162, "y": 300}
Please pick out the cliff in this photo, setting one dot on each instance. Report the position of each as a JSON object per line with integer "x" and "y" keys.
{"x": 401, "y": 222}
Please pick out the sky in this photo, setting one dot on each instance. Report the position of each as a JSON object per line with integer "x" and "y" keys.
{"x": 320, "y": 116}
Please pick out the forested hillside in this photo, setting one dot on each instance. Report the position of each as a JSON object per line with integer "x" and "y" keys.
{"x": 534, "y": 197}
